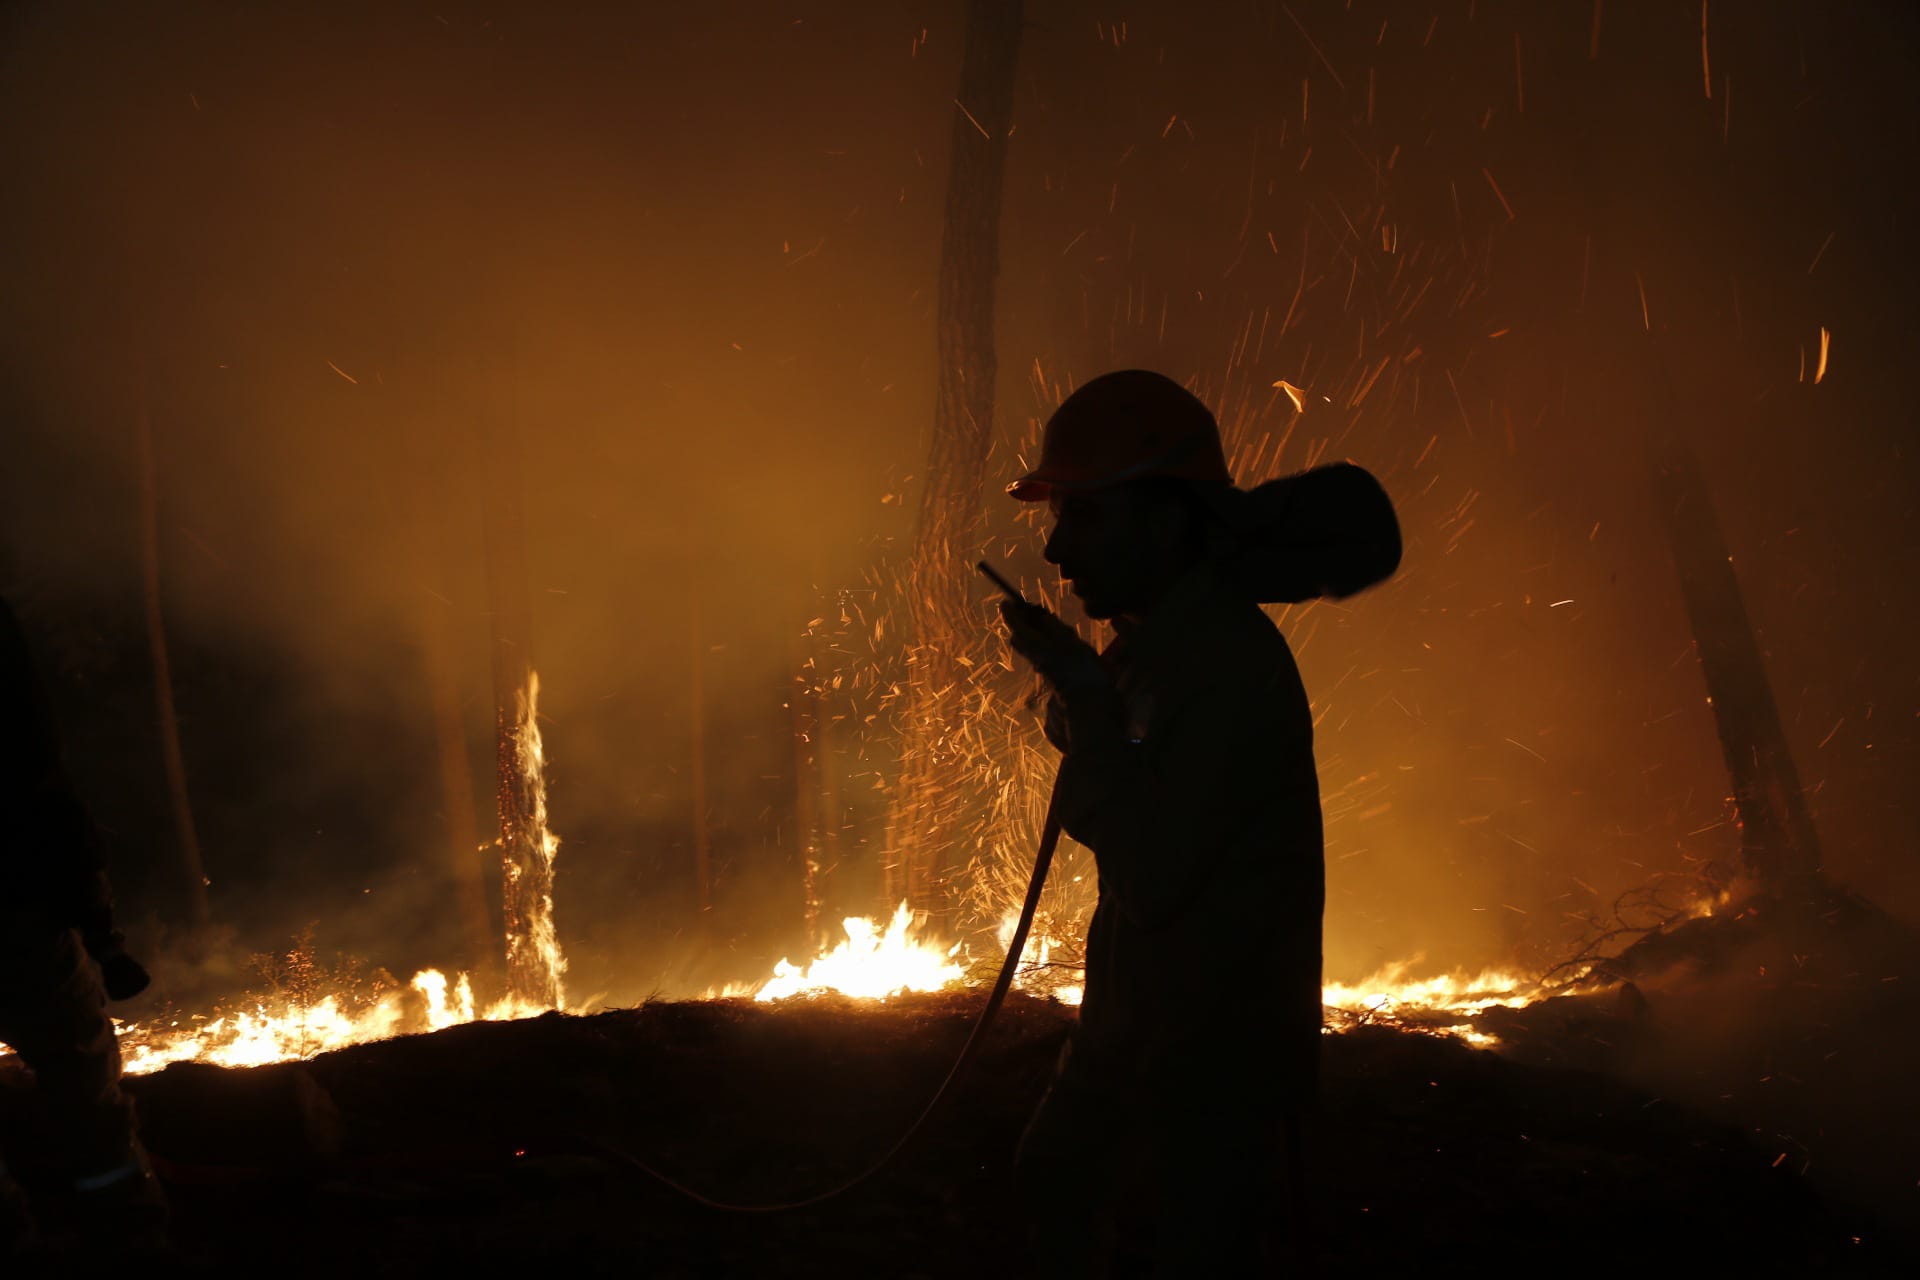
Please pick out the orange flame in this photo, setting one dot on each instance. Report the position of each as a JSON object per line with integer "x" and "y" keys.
{"x": 870, "y": 963}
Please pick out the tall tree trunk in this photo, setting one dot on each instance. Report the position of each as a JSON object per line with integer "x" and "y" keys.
{"x": 928, "y": 805}
{"x": 525, "y": 865}
{"x": 187, "y": 839}
{"x": 1778, "y": 842}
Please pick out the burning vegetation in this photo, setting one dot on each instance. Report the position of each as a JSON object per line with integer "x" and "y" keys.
{"x": 312, "y": 1009}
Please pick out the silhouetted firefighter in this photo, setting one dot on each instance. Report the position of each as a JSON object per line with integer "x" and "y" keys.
{"x": 60, "y": 961}
{"x": 1188, "y": 770}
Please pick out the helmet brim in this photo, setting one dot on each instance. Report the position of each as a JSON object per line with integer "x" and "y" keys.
{"x": 1040, "y": 484}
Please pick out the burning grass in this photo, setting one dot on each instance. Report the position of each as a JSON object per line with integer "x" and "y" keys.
{"x": 290, "y": 1027}
{"x": 310, "y": 1008}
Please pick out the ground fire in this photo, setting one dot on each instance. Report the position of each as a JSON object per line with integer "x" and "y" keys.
{"x": 1444, "y": 474}
{"x": 311, "y": 1016}
{"x": 870, "y": 962}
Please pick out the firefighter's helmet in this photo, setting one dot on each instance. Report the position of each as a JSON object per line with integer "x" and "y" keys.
{"x": 1124, "y": 426}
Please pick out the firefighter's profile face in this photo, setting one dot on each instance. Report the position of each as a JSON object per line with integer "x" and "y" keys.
{"x": 1112, "y": 548}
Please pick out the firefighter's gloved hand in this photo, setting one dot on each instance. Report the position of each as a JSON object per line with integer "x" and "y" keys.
{"x": 1055, "y": 649}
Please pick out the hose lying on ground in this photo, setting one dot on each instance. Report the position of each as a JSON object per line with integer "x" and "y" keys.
{"x": 1043, "y": 859}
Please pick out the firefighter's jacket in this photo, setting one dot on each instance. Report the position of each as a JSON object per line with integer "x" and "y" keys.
{"x": 50, "y": 851}
{"x": 1196, "y": 791}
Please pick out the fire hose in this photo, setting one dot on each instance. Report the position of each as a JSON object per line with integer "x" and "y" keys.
{"x": 1042, "y": 861}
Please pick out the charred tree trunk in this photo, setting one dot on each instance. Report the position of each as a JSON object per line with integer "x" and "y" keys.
{"x": 193, "y": 870}
{"x": 1778, "y": 842}
{"x": 526, "y": 871}
{"x": 939, "y": 602}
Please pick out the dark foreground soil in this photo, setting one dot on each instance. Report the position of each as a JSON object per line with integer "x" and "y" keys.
{"x": 399, "y": 1158}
